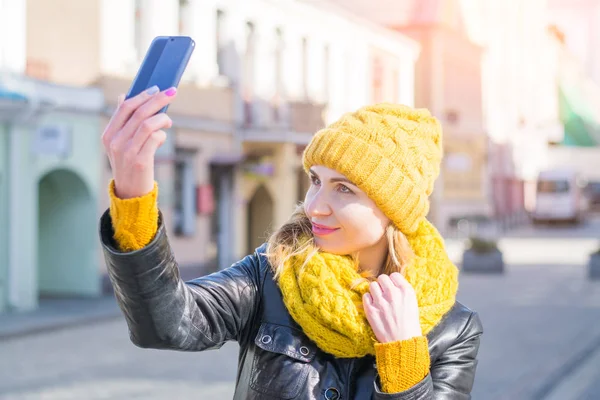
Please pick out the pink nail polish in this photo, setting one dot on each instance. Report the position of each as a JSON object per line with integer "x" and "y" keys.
{"x": 171, "y": 92}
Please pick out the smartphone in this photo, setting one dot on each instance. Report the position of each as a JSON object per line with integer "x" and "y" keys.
{"x": 163, "y": 65}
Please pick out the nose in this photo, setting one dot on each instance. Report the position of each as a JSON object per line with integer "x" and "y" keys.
{"x": 316, "y": 203}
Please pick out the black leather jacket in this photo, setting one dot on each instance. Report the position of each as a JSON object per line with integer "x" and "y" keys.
{"x": 276, "y": 360}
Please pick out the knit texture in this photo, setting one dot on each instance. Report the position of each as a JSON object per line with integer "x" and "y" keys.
{"x": 135, "y": 220}
{"x": 403, "y": 364}
{"x": 391, "y": 152}
{"x": 320, "y": 293}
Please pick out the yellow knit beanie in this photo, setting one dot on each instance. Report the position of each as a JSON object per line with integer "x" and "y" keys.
{"x": 391, "y": 152}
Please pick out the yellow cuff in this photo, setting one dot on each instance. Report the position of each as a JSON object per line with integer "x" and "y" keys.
{"x": 402, "y": 364}
{"x": 135, "y": 221}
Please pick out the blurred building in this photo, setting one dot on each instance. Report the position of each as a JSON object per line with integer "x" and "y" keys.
{"x": 578, "y": 149}
{"x": 264, "y": 77}
{"x": 49, "y": 169}
{"x": 521, "y": 98}
{"x": 449, "y": 84}
{"x": 575, "y": 25}
{"x": 579, "y": 21}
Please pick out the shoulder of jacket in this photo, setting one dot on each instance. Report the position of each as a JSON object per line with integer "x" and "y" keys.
{"x": 459, "y": 323}
{"x": 467, "y": 320}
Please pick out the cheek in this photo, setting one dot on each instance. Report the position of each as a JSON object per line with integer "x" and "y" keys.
{"x": 362, "y": 224}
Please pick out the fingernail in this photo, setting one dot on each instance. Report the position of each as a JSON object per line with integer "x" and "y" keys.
{"x": 152, "y": 90}
{"x": 171, "y": 92}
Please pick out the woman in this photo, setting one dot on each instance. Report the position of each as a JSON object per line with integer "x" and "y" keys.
{"x": 352, "y": 298}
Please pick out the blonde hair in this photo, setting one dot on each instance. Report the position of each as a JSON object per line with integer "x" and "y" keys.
{"x": 295, "y": 237}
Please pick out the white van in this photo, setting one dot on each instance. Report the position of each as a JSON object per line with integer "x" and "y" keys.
{"x": 559, "y": 197}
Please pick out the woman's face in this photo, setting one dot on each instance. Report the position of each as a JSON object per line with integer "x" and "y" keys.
{"x": 344, "y": 219}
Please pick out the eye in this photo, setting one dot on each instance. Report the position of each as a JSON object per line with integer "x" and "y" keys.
{"x": 315, "y": 180}
{"x": 345, "y": 189}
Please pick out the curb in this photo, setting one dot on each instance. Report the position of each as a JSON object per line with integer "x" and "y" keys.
{"x": 58, "y": 317}
{"x": 19, "y": 325}
{"x": 53, "y": 327}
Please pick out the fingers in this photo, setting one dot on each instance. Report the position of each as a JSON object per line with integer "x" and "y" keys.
{"x": 109, "y": 131}
{"x": 124, "y": 112}
{"x": 385, "y": 289}
{"x": 145, "y": 111}
{"x": 400, "y": 281}
{"x": 148, "y": 127}
{"x": 368, "y": 299}
{"x": 376, "y": 292}
{"x": 369, "y": 307}
{"x": 148, "y": 150}
{"x": 386, "y": 284}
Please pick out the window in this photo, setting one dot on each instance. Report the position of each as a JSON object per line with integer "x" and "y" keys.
{"x": 377, "y": 80}
{"x": 396, "y": 86}
{"x": 139, "y": 46}
{"x": 326, "y": 66}
{"x": 184, "y": 193}
{"x": 220, "y": 38}
{"x": 184, "y": 17}
{"x": 348, "y": 79}
{"x": 553, "y": 187}
{"x": 305, "y": 67}
{"x": 250, "y": 43}
{"x": 248, "y": 83}
{"x": 278, "y": 59}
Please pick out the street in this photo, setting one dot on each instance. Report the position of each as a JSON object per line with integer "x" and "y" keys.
{"x": 99, "y": 362}
{"x": 541, "y": 338}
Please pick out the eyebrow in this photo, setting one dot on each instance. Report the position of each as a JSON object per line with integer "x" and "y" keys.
{"x": 334, "y": 180}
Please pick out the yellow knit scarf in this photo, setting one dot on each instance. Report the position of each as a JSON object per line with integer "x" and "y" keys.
{"x": 317, "y": 293}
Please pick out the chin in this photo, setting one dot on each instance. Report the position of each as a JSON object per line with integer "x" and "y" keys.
{"x": 331, "y": 246}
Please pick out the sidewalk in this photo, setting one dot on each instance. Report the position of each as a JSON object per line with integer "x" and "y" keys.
{"x": 53, "y": 314}
{"x": 58, "y": 313}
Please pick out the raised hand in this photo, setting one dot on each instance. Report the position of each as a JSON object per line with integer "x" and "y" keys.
{"x": 132, "y": 137}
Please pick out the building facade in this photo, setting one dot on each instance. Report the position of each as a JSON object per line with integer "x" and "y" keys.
{"x": 521, "y": 98}
{"x": 49, "y": 164}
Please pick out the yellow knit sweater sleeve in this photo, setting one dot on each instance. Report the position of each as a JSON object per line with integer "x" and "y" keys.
{"x": 135, "y": 221}
{"x": 402, "y": 364}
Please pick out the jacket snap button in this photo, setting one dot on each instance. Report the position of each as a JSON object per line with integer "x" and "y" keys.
{"x": 266, "y": 339}
{"x": 304, "y": 350}
{"x": 332, "y": 394}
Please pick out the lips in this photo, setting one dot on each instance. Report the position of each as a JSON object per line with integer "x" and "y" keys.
{"x": 322, "y": 230}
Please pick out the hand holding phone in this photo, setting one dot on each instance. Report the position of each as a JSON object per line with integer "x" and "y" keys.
{"x": 136, "y": 129}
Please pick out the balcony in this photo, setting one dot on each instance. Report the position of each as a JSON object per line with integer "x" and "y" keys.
{"x": 294, "y": 122}
{"x": 203, "y": 108}
{"x": 307, "y": 117}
